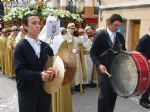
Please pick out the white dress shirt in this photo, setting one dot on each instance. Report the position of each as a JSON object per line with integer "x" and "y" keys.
{"x": 36, "y": 45}
{"x": 111, "y": 35}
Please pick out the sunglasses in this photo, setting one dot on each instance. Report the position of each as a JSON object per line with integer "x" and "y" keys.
{"x": 72, "y": 28}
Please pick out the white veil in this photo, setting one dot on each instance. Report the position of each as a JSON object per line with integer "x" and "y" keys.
{"x": 51, "y": 31}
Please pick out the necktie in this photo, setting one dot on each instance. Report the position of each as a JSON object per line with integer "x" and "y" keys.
{"x": 114, "y": 37}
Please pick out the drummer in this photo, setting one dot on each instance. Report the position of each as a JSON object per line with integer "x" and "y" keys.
{"x": 103, "y": 41}
{"x": 30, "y": 56}
{"x": 144, "y": 47}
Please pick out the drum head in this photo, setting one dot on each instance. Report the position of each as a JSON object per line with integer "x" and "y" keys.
{"x": 124, "y": 75}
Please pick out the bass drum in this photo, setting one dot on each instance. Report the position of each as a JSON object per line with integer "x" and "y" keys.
{"x": 130, "y": 74}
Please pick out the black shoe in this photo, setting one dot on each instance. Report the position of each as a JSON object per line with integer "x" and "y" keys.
{"x": 84, "y": 86}
{"x": 144, "y": 104}
{"x": 77, "y": 88}
{"x": 92, "y": 85}
{"x": 147, "y": 101}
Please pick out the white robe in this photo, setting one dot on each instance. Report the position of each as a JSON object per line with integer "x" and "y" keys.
{"x": 87, "y": 59}
{"x": 57, "y": 41}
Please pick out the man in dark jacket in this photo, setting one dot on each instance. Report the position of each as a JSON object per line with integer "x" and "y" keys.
{"x": 103, "y": 41}
{"x": 30, "y": 56}
{"x": 144, "y": 47}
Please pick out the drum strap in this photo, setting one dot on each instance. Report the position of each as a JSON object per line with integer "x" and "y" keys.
{"x": 110, "y": 49}
{"x": 107, "y": 51}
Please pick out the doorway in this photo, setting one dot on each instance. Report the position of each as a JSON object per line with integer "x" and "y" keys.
{"x": 135, "y": 33}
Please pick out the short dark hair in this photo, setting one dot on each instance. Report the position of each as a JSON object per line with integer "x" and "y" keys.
{"x": 115, "y": 17}
{"x": 25, "y": 18}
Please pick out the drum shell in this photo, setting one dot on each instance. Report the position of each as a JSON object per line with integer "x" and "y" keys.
{"x": 143, "y": 68}
{"x": 142, "y": 73}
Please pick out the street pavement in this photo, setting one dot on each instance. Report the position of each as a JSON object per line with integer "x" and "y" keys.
{"x": 81, "y": 103}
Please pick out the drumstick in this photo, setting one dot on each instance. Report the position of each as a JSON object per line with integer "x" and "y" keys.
{"x": 109, "y": 75}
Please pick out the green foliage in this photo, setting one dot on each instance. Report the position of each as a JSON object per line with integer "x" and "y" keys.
{"x": 18, "y": 13}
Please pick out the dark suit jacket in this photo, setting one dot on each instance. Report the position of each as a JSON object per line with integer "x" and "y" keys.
{"x": 102, "y": 43}
{"x": 144, "y": 46}
{"x": 28, "y": 66}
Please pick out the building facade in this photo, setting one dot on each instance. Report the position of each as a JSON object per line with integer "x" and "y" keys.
{"x": 87, "y": 8}
{"x": 135, "y": 14}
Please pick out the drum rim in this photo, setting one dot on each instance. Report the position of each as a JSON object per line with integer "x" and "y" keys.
{"x": 113, "y": 84}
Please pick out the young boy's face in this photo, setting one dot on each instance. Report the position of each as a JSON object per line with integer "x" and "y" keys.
{"x": 33, "y": 28}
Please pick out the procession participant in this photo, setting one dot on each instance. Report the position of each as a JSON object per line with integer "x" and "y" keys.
{"x": 21, "y": 34}
{"x": 89, "y": 32}
{"x": 82, "y": 67}
{"x": 7, "y": 64}
{"x": 86, "y": 61}
{"x": 3, "y": 41}
{"x": 100, "y": 29}
{"x": 30, "y": 56}
{"x": 81, "y": 32}
{"x": 10, "y": 51}
{"x": 72, "y": 40}
{"x": 63, "y": 32}
{"x": 61, "y": 100}
{"x": 144, "y": 47}
{"x": 73, "y": 43}
{"x": 50, "y": 30}
{"x": 9, "y": 31}
{"x": 6, "y": 51}
{"x": 107, "y": 39}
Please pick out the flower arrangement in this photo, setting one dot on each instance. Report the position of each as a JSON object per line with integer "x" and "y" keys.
{"x": 18, "y": 13}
